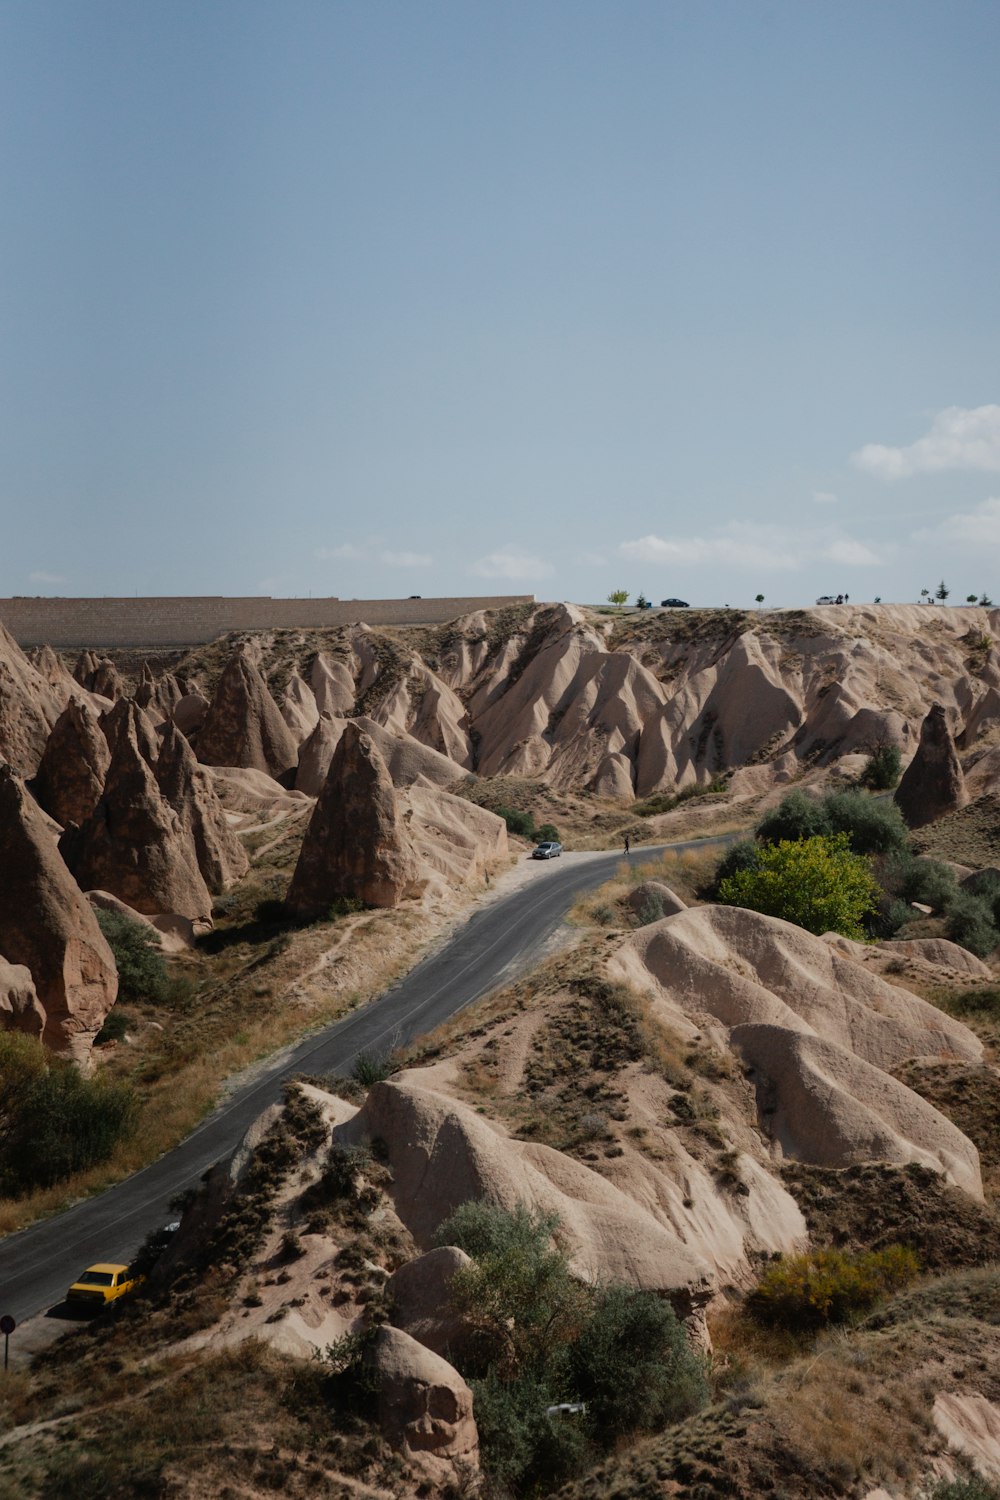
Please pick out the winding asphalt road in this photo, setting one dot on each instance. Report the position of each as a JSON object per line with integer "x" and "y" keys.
{"x": 502, "y": 940}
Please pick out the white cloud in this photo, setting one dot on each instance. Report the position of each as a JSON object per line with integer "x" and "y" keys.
{"x": 345, "y": 552}
{"x": 851, "y": 553}
{"x": 960, "y": 438}
{"x": 43, "y": 577}
{"x": 507, "y": 564}
{"x": 979, "y": 527}
{"x": 824, "y": 497}
{"x": 407, "y": 559}
{"x": 751, "y": 545}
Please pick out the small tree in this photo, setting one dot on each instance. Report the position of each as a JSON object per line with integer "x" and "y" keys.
{"x": 970, "y": 598}
{"x": 816, "y": 883}
{"x": 986, "y": 601}
{"x": 882, "y": 768}
{"x": 925, "y": 594}
{"x": 641, "y": 602}
{"x": 942, "y": 591}
{"x": 760, "y": 599}
{"x": 618, "y": 597}
{"x": 142, "y": 973}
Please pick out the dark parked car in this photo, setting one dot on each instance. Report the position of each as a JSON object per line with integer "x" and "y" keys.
{"x": 549, "y": 850}
{"x": 673, "y": 604}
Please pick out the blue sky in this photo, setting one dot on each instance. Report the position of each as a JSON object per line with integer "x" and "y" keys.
{"x": 370, "y": 298}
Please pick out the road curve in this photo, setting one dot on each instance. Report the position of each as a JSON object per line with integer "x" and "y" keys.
{"x": 499, "y": 941}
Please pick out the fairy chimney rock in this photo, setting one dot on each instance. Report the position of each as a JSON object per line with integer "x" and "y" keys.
{"x": 47, "y": 926}
{"x": 189, "y": 791}
{"x": 74, "y": 765}
{"x": 932, "y": 783}
{"x": 244, "y": 727}
{"x": 356, "y": 845}
{"x": 133, "y": 844}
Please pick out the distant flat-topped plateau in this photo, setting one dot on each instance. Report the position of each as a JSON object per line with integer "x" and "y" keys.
{"x": 190, "y": 620}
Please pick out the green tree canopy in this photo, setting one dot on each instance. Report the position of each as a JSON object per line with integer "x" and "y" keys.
{"x": 817, "y": 883}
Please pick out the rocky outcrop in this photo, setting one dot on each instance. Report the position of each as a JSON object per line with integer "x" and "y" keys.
{"x": 127, "y": 720}
{"x": 441, "y": 1154}
{"x": 158, "y": 696}
{"x": 419, "y": 1295}
{"x": 821, "y": 1032}
{"x": 244, "y": 727}
{"x": 20, "y": 1007}
{"x": 74, "y": 765}
{"x": 47, "y": 926}
{"x": 189, "y": 713}
{"x": 28, "y": 709}
{"x": 406, "y": 758}
{"x": 652, "y": 900}
{"x": 298, "y": 708}
{"x": 356, "y": 845}
{"x": 134, "y": 844}
{"x": 932, "y": 784}
{"x": 188, "y": 789}
{"x": 425, "y": 1407}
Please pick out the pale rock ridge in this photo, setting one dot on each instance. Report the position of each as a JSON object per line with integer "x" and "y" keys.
{"x": 126, "y": 720}
{"x": 158, "y": 696}
{"x": 356, "y": 845}
{"x": 823, "y": 1104}
{"x": 243, "y": 726}
{"x": 74, "y": 764}
{"x": 405, "y": 757}
{"x": 424, "y": 707}
{"x": 332, "y": 684}
{"x": 419, "y": 1294}
{"x": 188, "y": 789}
{"x": 298, "y": 707}
{"x": 20, "y": 1007}
{"x": 932, "y": 784}
{"x": 54, "y": 672}
{"x": 745, "y": 968}
{"x": 442, "y": 1154}
{"x": 452, "y": 837}
{"x": 28, "y": 708}
{"x": 47, "y": 926}
{"x": 134, "y": 844}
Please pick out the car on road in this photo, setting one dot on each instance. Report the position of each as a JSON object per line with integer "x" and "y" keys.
{"x": 549, "y": 850}
{"x": 674, "y": 604}
{"x": 101, "y": 1284}
{"x": 826, "y": 599}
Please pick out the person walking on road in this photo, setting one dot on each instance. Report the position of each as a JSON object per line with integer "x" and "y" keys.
{"x": 627, "y": 845}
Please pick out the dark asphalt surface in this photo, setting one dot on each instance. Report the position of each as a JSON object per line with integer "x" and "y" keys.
{"x": 500, "y": 941}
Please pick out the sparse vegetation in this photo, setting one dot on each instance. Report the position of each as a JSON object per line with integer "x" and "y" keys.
{"x": 142, "y": 972}
{"x": 806, "y": 1292}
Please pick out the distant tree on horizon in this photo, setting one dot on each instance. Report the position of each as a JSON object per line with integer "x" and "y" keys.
{"x": 942, "y": 591}
{"x": 970, "y": 598}
{"x": 760, "y": 599}
{"x": 618, "y": 597}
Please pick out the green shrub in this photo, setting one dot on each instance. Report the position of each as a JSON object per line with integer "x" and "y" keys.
{"x": 521, "y": 823}
{"x": 523, "y": 1449}
{"x": 114, "y": 1029}
{"x": 142, "y": 973}
{"x": 547, "y": 834}
{"x": 974, "y": 1487}
{"x": 882, "y": 768}
{"x": 817, "y": 883}
{"x": 890, "y": 918}
{"x": 53, "y": 1121}
{"x": 806, "y": 1292}
{"x": 633, "y": 1365}
{"x": 874, "y": 826}
{"x": 372, "y": 1067}
{"x": 796, "y": 817}
{"x": 651, "y": 910}
{"x": 929, "y": 882}
{"x": 970, "y": 924}
{"x": 742, "y": 856}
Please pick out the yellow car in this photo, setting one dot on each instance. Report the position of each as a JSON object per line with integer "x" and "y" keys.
{"x": 101, "y": 1284}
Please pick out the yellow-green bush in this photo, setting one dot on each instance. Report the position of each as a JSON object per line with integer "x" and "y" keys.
{"x": 806, "y": 1292}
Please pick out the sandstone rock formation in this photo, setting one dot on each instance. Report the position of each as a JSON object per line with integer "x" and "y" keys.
{"x": 419, "y": 1294}
{"x": 356, "y": 845}
{"x": 441, "y": 1154}
{"x": 189, "y": 713}
{"x": 406, "y": 758}
{"x": 425, "y": 1407}
{"x": 189, "y": 791}
{"x": 821, "y": 1103}
{"x": 158, "y": 696}
{"x": 243, "y": 726}
{"x": 54, "y": 673}
{"x": 653, "y": 899}
{"x": 821, "y": 1031}
{"x": 20, "y": 1007}
{"x": 74, "y": 765}
{"x": 127, "y": 720}
{"x": 134, "y": 844}
{"x": 47, "y": 926}
{"x": 298, "y": 708}
{"x": 932, "y": 784}
{"x": 28, "y": 708}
